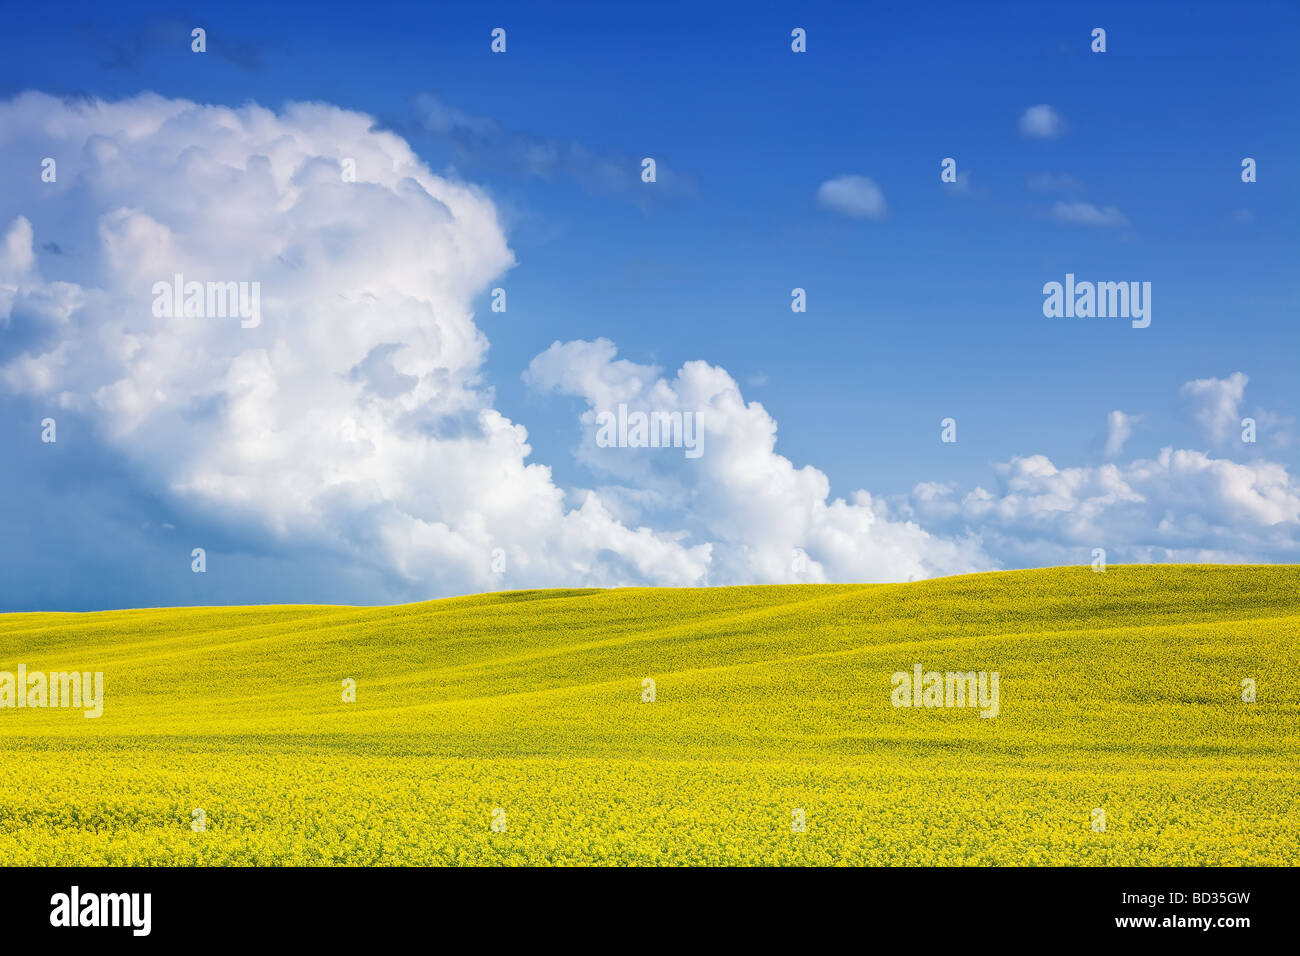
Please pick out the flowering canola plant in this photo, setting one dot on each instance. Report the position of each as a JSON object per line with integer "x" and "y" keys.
{"x": 749, "y": 725}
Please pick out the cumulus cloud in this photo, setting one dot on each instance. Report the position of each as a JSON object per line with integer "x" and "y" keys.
{"x": 353, "y": 419}
{"x": 765, "y": 519}
{"x": 1086, "y": 214}
{"x": 855, "y": 196}
{"x": 1180, "y": 506}
{"x": 1042, "y": 122}
{"x": 1215, "y": 404}
{"x": 1119, "y": 428}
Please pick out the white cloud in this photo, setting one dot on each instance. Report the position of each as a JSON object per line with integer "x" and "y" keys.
{"x": 855, "y": 196}
{"x": 1085, "y": 213}
{"x": 1042, "y": 122}
{"x": 354, "y": 419}
{"x": 752, "y": 504}
{"x": 1119, "y": 428}
{"x": 1181, "y": 505}
{"x": 1216, "y": 404}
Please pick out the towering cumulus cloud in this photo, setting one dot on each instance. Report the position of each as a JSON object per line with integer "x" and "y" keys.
{"x": 351, "y": 417}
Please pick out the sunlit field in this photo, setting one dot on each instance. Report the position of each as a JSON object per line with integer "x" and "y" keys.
{"x": 771, "y": 737}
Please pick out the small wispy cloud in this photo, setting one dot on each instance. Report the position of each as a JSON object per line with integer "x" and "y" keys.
{"x": 855, "y": 196}
{"x": 1119, "y": 429}
{"x": 962, "y": 187}
{"x": 1042, "y": 122}
{"x": 1086, "y": 214}
{"x": 1216, "y": 403}
{"x": 129, "y": 47}
{"x": 1054, "y": 183}
{"x": 482, "y": 141}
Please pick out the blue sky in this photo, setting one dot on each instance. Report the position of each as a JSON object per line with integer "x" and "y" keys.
{"x": 933, "y": 309}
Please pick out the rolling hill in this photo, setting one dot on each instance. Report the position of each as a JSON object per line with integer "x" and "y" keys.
{"x": 225, "y": 737}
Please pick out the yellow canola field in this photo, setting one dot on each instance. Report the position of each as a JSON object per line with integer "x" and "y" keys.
{"x": 512, "y": 728}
